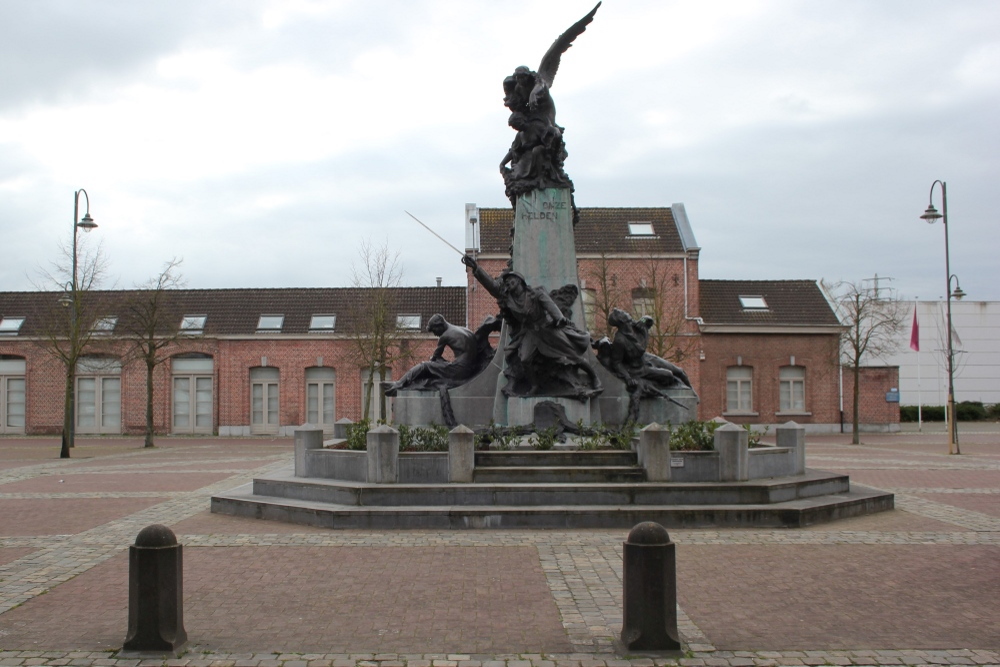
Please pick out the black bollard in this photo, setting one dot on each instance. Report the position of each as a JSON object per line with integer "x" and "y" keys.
{"x": 649, "y": 590}
{"x": 155, "y": 592}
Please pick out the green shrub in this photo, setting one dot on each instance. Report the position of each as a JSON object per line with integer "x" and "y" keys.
{"x": 753, "y": 437}
{"x": 993, "y": 411}
{"x": 970, "y": 411}
{"x": 544, "y": 439}
{"x": 694, "y": 436}
{"x": 357, "y": 435}
{"x": 907, "y": 413}
{"x": 495, "y": 434}
{"x": 433, "y": 438}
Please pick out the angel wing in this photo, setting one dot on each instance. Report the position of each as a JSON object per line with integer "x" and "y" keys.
{"x": 550, "y": 61}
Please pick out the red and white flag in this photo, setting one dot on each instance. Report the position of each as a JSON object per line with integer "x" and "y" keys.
{"x": 915, "y": 332}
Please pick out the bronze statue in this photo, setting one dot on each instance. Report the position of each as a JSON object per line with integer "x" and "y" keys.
{"x": 644, "y": 374}
{"x": 545, "y": 351}
{"x": 537, "y": 155}
{"x": 439, "y": 373}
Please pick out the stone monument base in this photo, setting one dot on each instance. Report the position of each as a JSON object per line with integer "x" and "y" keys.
{"x": 521, "y": 411}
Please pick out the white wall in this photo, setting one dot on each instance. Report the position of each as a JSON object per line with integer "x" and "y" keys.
{"x": 977, "y": 353}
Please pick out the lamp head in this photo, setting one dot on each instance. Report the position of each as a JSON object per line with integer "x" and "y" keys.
{"x": 958, "y": 293}
{"x": 87, "y": 223}
{"x": 931, "y": 215}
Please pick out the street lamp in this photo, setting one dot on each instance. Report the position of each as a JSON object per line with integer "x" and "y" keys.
{"x": 931, "y": 215}
{"x": 72, "y": 300}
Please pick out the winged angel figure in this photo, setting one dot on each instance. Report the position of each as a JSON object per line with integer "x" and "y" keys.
{"x": 536, "y": 157}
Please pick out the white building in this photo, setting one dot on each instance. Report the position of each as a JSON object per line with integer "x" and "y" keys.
{"x": 923, "y": 375}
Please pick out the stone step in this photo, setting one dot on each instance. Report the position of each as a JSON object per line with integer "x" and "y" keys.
{"x": 558, "y": 474}
{"x": 757, "y": 492}
{"x": 789, "y": 514}
{"x": 578, "y": 458}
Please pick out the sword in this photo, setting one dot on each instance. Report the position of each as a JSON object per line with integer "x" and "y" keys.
{"x": 435, "y": 234}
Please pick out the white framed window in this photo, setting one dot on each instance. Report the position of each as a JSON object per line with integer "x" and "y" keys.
{"x": 739, "y": 389}
{"x": 753, "y": 303}
{"x": 321, "y": 397}
{"x": 264, "y": 400}
{"x": 192, "y": 394}
{"x": 407, "y": 321}
{"x": 792, "y": 389}
{"x": 193, "y": 324}
{"x": 322, "y": 323}
{"x": 643, "y": 302}
{"x": 98, "y": 395}
{"x": 9, "y": 326}
{"x": 640, "y": 229}
{"x": 589, "y": 298}
{"x": 270, "y": 323}
{"x": 12, "y": 395}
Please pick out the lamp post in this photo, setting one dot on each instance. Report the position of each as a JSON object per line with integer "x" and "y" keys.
{"x": 73, "y": 301}
{"x": 931, "y": 215}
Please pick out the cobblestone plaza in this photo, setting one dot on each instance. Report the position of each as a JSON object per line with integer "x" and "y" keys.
{"x": 917, "y": 585}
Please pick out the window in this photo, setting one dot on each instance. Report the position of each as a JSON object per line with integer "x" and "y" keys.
{"x": 98, "y": 395}
{"x": 792, "y": 388}
{"x": 12, "y": 394}
{"x": 264, "y": 400}
{"x": 739, "y": 389}
{"x": 407, "y": 321}
{"x": 753, "y": 302}
{"x": 192, "y": 393}
{"x": 323, "y": 323}
{"x": 105, "y": 325}
{"x": 321, "y": 397}
{"x": 643, "y": 302}
{"x": 9, "y": 326}
{"x": 270, "y": 323}
{"x": 640, "y": 229}
{"x": 193, "y": 324}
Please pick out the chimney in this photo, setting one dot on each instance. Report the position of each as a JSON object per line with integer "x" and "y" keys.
{"x": 438, "y": 281}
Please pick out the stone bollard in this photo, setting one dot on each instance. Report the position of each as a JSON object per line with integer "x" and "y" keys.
{"x": 383, "y": 455}
{"x": 461, "y": 454}
{"x": 654, "y": 452}
{"x": 793, "y": 436}
{"x": 649, "y": 590}
{"x": 733, "y": 444}
{"x": 307, "y": 437}
{"x": 341, "y": 427}
{"x": 155, "y": 592}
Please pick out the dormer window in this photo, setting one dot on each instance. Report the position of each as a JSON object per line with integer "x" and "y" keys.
{"x": 193, "y": 324}
{"x": 270, "y": 323}
{"x": 105, "y": 325}
{"x": 753, "y": 302}
{"x": 641, "y": 229}
{"x": 9, "y": 326}
{"x": 407, "y": 321}
{"x": 323, "y": 323}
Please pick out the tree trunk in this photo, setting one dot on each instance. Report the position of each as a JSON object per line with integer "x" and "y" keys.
{"x": 856, "y": 431}
{"x": 149, "y": 403}
{"x": 68, "y": 417}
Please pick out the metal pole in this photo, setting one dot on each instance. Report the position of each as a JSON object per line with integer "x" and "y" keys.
{"x": 953, "y": 447}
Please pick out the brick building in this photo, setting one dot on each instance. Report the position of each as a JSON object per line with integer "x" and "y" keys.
{"x": 263, "y": 361}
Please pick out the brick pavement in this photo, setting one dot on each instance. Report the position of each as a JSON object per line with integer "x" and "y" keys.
{"x": 914, "y": 586}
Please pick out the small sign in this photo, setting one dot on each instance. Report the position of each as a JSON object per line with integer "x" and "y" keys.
{"x": 892, "y": 397}
{"x": 677, "y": 462}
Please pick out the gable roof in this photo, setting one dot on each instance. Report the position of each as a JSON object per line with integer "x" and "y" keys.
{"x": 599, "y": 230}
{"x": 789, "y": 303}
{"x": 236, "y": 311}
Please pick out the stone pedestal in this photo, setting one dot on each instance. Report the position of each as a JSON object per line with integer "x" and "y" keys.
{"x": 654, "y": 452}
{"x": 417, "y": 408}
{"x": 732, "y": 443}
{"x": 461, "y": 454}
{"x": 383, "y": 455}
{"x": 793, "y": 436}
{"x": 307, "y": 437}
{"x": 521, "y": 411}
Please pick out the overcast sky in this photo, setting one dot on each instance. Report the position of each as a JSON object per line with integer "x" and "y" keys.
{"x": 262, "y": 141}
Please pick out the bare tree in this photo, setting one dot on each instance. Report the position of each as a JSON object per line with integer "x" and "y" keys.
{"x": 150, "y": 329}
{"x": 873, "y": 316}
{"x": 378, "y": 340}
{"x": 69, "y": 325}
{"x": 607, "y": 295}
{"x": 669, "y": 338}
